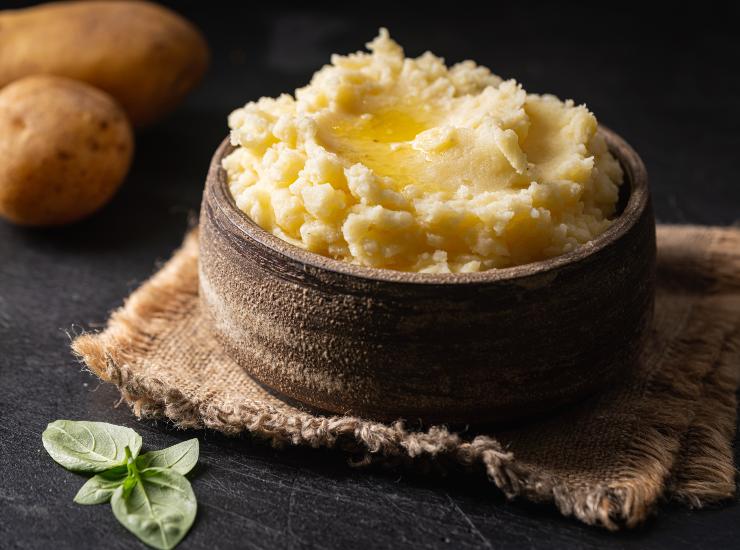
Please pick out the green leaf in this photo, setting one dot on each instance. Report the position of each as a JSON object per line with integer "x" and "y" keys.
{"x": 89, "y": 446}
{"x": 100, "y": 487}
{"x": 181, "y": 457}
{"x": 159, "y": 509}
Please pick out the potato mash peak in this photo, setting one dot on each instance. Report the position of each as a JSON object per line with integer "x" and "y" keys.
{"x": 408, "y": 164}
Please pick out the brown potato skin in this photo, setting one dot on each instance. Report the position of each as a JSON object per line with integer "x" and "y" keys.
{"x": 144, "y": 55}
{"x": 65, "y": 148}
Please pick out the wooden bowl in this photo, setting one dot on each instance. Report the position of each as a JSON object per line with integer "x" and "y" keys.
{"x": 475, "y": 347}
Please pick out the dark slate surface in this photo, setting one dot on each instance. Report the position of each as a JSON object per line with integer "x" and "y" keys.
{"x": 667, "y": 81}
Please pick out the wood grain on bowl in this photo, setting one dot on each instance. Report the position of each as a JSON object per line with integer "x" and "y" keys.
{"x": 475, "y": 347}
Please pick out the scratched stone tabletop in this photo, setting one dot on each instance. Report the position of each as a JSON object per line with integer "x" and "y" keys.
{"x": 670, "y": 89}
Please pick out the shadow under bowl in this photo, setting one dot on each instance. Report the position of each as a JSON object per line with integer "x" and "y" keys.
{"x": 492, "y": 346}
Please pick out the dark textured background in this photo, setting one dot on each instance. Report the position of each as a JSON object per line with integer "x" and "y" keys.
{"x": 667, "y": 80}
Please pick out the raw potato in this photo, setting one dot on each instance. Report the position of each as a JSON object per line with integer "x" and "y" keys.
{"x": 144, "y": 55}
{"x": 65, "y": 147}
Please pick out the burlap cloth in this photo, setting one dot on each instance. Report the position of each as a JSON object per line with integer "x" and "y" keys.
{"x": 664, "y": 433}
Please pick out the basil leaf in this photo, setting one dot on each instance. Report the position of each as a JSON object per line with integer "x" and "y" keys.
{"x": 181, "y": 457}
{"x": 151, "y": 472}
{"x": 89, "y": 446}
{"x": 159, "y": 509}
{"x": 100, "y": 487}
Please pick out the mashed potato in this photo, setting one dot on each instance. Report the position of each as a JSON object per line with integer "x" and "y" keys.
{"x": 408, "y": 164}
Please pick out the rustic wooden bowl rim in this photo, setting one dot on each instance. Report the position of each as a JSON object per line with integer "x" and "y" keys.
{"x": 635, "y": 177}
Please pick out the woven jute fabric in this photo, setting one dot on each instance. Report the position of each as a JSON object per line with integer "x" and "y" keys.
{"x": 664, "y": 432}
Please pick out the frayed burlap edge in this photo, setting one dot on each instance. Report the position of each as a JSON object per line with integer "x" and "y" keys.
{"x": 148, "y": 309}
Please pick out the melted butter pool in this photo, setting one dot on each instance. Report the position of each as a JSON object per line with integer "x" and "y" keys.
{"x": 382, "y": 141}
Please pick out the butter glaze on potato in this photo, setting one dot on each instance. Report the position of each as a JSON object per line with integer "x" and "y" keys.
{"x": 144, "y": 55}
{"x": 65, "y": 147}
